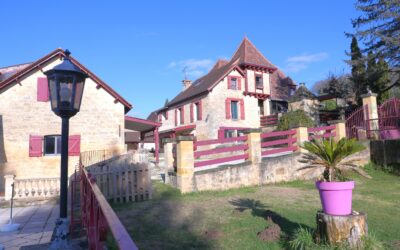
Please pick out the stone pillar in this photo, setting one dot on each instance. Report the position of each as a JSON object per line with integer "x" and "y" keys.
{"x": 301, "y": 136}
{"x": 168, "y": 144}
{"x": 8, "y": 189}
{"x": 371, "y": 114}
{"x": 185, "y": 163}
{"x": 254, "y": 143}
{"x": 340, "y": 129}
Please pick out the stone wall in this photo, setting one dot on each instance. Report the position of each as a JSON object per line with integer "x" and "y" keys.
{"x": 100, "y": 124}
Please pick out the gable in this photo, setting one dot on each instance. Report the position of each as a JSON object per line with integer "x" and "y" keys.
{"x": 46, "y": 60}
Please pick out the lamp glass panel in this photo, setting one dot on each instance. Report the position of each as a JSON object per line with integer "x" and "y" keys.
{"x": 78, "y": 92}
{"x": 66, "y": 84}
{"x": 53, "y": 92}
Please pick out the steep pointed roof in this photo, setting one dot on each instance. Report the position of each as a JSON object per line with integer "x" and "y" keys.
{"x": 248, "y": 54}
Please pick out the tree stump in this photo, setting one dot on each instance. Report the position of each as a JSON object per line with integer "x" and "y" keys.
{"x": 336, "y": 230}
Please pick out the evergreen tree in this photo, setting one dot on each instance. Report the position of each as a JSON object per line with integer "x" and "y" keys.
{"x": 378, "y": 27}
{"x": 357, "y": 70}
{"x": 378, "y": 77}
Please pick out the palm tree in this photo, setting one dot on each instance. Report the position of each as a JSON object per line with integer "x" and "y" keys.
{"x": 333, "y": 156}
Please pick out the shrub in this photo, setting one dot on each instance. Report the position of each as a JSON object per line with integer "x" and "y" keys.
{"x": 294, "y": 119}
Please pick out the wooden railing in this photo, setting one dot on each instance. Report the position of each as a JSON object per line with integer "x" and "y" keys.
{"x": 269, "y": 120}
{"x": 227, "y": 146}
{"x": 278, "y": 142}
{"x": 98, "y": 217}
{"x": 321, "y": 132}
{"x": 94, "y": 156}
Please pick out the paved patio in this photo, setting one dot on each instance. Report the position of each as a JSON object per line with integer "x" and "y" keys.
{"x": 37, "y": 224}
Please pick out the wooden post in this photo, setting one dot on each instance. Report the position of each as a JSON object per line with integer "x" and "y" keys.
{"x": 301, "y": 136}
{"x": 371, "y": 114}
{"x": 185, "y": 163}
{"x": 254, "y": 144}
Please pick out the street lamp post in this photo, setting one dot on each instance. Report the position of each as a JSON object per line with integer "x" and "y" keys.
{"x": 66, "y": 82}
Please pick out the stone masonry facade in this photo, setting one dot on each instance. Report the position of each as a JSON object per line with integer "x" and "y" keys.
{"x": 100, "y": 124}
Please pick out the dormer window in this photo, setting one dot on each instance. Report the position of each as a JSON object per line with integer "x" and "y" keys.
{"x": 234, "y": 83}
{"x": 259, "y": 82}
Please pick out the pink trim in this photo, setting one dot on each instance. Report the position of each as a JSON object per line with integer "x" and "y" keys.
{"x": 238, "y": 82}
{"x": 279, "y": 133}
{"x": 279, "y": 150}
{"x": 143, "y": 121}
{"x": 191, "y": 112}
{"x": 187, "y": 127}
{"x": 261, "y": 96}
{"x": 220, "y": 150}
{"x": 182, "y": 114}
{"x": 221, "y": 160}
{"x": 225, "y": 140}
{"x": 228, "y": 108}
{"x": 278, "y": 142}
{"x": 200, "y": 110}
{"x": 227, "y": 73}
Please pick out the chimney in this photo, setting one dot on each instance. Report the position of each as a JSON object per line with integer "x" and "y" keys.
{"x": 186, "y": 84}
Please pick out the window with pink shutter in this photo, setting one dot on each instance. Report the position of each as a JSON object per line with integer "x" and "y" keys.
{"x": 74, "y": 145}
{"x": 42, "y": 89}
{"x": 35, "y": 146}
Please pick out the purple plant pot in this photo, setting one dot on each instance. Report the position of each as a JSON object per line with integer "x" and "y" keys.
{"x": 336, "y": 197}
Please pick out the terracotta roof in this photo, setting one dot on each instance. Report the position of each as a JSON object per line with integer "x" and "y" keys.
{"x": 280, "y": 85}
{"x": 23, "y": 70}
{"x": 246, "y": 54}
{"x": 9, "y": 71}
{"x": 302, "y": 93}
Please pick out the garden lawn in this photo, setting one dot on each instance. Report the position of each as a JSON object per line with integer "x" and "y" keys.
{"x": 231, "y": 219}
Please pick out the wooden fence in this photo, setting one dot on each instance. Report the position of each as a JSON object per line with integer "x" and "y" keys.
{"x": 122, "y": 180}
{"x": 233, "y": 149}
{"x": 88, "y": 158}
{"x": 278, "y": 142}
{"x": 269, "y": 120}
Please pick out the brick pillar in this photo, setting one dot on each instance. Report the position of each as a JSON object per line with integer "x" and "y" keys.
{"x": 8, "y": 189}
{"x": 301, "y": 136}
{"x": 254, "y": 143}
{"x": 371, "y": 113}
{"x": 185, "y": 163}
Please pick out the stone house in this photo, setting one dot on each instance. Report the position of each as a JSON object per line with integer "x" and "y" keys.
{"x": 231, "y": 97}
{"x": 30, "y": 131}
{"x": 305, "y": 100}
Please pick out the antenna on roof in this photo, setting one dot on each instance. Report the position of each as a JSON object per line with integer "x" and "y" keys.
{"x": 184, "y": 70}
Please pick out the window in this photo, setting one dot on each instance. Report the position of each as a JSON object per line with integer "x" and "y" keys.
{"x": 197, "y": 111}
{"x": 259, "y": 82}
{"x": 229, "y": 133}
{"x": 234, "y": 84}
{"x": 234, "y": 110}
{"x": 52, "y": 145}
{"x": 180, "y": 116}
{"x": 278, "y": 107}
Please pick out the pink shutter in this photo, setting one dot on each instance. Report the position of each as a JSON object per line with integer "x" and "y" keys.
{"x": 200, "y": 117}
{"x": 166, "y": 115}
{"x": 229, "y": 82}
{"x": 239, "y": 83}
{"x": 228, "y": 109}
{"x": 242, "y": 115}
{"x": 191, "y": 112}
{"x": 42, "y": 89}
{"x": 74, "y": 145}
{"x": 183, "y": 115}
{"x": 221, "y": 133}
{"x": 176, "y": 117}
{"x": 35, "y": 146}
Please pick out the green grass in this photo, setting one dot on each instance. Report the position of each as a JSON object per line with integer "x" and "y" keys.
{"x": 231, "y": 219}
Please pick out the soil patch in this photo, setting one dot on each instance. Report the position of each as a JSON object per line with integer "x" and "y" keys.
{"x": 270, "y": 233}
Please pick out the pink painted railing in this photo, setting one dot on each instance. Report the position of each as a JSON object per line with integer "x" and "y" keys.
{"x": 98, "y": 217}
{"x": 321, "y": 132}
{"x": 355, "y": 121}
{"x": 269, "y": 120}
{"x": 228, "y": 149}
{"x": 272, "y": 142}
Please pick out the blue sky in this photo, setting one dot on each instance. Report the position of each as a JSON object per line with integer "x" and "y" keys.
{"x": 140, "y": 47}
